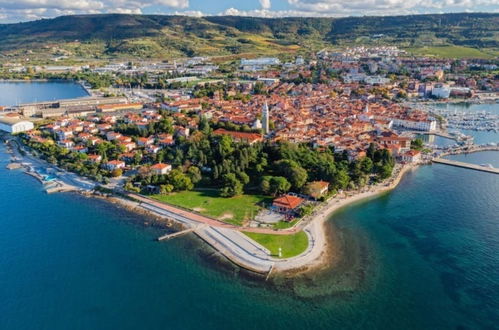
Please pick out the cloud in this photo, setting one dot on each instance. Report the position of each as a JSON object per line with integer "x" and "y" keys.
{"x": 192, "y": 13}
{"x": 387, "y": 7}
{"x": 266, "y": 4}
{"x": 270, "y": 13}
{"x": 22, "y": 10}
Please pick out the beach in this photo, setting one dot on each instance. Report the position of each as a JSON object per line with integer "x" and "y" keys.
{"x": 324, "y": 252}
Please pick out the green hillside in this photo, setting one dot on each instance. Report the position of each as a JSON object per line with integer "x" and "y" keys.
{"x": 115, "y": 35}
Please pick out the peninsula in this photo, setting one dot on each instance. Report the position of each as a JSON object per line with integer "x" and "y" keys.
{"x": 250, "y": 154}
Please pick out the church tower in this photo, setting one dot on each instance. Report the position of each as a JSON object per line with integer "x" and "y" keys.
{"x": 266, "y": 119}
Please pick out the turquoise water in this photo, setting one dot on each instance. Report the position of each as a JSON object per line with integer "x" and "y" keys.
{"x": 13, "y": 93}
{"x": 424, "y": 256}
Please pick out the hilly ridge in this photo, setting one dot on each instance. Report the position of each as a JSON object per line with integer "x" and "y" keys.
{"x": 161, "y": 35}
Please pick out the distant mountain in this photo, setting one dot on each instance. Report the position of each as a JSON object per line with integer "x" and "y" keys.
{"x": 159, "y": 35}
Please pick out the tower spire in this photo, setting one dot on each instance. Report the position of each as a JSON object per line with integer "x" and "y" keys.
{"x": 266, "y": 118}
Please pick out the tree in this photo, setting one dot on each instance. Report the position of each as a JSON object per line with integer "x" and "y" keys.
{"x": 137, "y": 158}
{"x": 243, "y": 177}
{"x": 130, "y": 187}
{"x": 166, "y": 189}
{"x": 341, "y": 179}
{"x": 366, "y": 165}
{"x": 265, "y": 184}
{"x": 194, "y": 174}
{"x": 417, "y": 144}
{"x": 306, "y": 210}
{"x": 180, "y": 181}
{"x": 295, "y": 174}
{"x": 279, "y": 185}
{"x": 231, "y": 186}
{"x": 225, "y": 145}
{"x": 385, "y": 171}
{"x": 371, "y": 150}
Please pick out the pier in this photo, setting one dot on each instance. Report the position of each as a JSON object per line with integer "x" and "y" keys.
{"x": 177, "y": 234}
{"x": 466, "y": 165}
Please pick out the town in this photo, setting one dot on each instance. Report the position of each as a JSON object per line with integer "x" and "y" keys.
{"x": 342, "y": 104}
{"x": 257, "y": 144}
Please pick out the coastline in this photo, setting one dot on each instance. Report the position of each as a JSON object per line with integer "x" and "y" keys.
{"x": 323, "y": 251}
{"x": 18, "y": 162}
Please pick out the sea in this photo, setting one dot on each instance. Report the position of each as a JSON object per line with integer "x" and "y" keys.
{"x": 424, "y": 256}
{"x": 19, "y": 92}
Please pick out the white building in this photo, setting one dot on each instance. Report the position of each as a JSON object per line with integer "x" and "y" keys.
{"x": 354, "y": 77}
{"x": 257, "y": 124}
{"x": 441, "y": 91}
{"x": 376, "y": 80}
{"x": 161, "y": 169}
{"x": 260, "y": 61}
{"x": 14, "y": 125}
{"x": 424, "y": 125}
{"x": 268, "y": 81}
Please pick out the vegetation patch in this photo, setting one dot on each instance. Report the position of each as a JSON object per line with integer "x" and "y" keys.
{"x": 457, "y": 52}
{"x": 285, "y": 224}
{"x": 234, "y": 210}
{"x": 291, "y": 245}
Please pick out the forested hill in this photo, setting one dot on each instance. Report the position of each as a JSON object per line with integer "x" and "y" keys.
{"x": 158, "y": 35}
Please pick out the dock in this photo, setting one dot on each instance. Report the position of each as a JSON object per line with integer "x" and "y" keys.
{"x": 177, "y": 234}
{"x": 466, "y": 165}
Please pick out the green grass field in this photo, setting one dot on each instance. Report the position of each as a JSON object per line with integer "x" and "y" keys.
{"x": 457, "y": 52}
{"x": 291, "y": 245}
{"x": 233, "y": 210}
{"x": 285, "y": 224}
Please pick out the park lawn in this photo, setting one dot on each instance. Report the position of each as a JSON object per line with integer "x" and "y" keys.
{"x": 285, "y": 224}
{"x": 234, "y": 210}
{"x": 291, "y": 245}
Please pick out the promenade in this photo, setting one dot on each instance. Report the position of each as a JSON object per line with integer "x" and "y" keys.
{"x": 243, "y": 251}
{"x": 230, "y": 241}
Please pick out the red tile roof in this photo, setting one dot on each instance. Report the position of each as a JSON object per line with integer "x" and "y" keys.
{"x": 288, "y": 201}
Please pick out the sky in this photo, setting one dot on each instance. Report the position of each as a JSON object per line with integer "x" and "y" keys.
{"x": 24, "y": 10}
